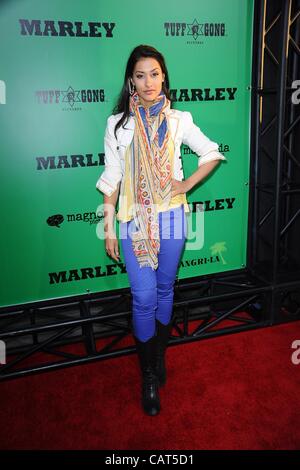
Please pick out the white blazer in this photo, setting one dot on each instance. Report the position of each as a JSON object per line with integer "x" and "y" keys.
{"x": 183, "y": 130}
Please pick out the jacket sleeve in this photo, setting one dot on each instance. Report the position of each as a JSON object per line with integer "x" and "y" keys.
{"x": 206, "y": 149}
{"x": 112, "y": 174}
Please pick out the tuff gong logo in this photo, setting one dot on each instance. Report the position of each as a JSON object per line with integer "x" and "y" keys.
{"x": 70, "y": 96}
{"x": 194, "y": 29}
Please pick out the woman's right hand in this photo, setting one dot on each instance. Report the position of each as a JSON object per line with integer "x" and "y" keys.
{"x": 112, "y": 246}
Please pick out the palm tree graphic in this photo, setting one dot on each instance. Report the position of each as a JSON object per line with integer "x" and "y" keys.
{"x": 217, "y": 249}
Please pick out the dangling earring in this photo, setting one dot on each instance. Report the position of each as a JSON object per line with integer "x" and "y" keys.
{"x": 131, "y": 90}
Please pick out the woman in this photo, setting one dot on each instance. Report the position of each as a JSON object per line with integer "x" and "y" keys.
{"x": 142, "y": 165}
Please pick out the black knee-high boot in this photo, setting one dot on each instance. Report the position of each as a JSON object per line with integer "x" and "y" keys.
{"x": 163, "y": 333}
{"x": 147, "y": 358}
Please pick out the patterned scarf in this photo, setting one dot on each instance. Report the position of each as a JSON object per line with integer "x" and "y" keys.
{"x": 151, "y": 174}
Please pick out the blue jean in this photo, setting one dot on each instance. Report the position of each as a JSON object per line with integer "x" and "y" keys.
{"x": 153, "y": 290}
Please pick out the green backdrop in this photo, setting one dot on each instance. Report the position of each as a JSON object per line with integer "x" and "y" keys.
{"x": 61, "y": 70}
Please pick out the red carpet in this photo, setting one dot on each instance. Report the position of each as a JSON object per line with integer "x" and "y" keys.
{"x": 239, "y": 391}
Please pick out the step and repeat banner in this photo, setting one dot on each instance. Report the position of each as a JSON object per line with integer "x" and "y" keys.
{"x": 62, "y": 66}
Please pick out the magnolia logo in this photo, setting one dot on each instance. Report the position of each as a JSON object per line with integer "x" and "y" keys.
{"x": 2, "y": 352}
{"x": 296, "y": 94}
{"x": 295, "y": 358}
{"x": 56, "y": 220}
{"x": 2, "y": 92}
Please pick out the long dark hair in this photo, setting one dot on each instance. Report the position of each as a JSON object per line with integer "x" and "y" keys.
{"x": 138, "y": 53}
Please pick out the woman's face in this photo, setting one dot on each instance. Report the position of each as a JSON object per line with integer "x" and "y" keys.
{"x": 147, "y": 78}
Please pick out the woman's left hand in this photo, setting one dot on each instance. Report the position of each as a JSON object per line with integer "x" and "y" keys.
{"x": 179, "y": 187}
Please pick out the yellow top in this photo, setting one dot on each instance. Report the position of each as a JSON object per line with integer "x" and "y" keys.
{"x": 126, "y": 198}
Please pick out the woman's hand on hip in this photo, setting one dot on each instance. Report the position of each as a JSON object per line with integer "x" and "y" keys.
{"x": 179, "y": 187}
